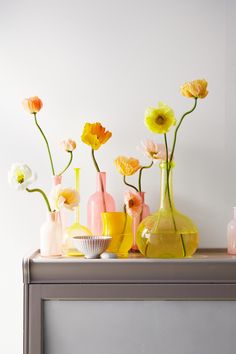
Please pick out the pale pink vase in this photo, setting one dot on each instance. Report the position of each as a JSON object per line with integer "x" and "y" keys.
{"x": 231, "y": 235}
{"x": 137, "y": 219}
{"x": 98, "y": 203}
{"x": 51, "y": 235}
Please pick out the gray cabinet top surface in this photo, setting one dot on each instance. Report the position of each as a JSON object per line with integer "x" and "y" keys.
{"x": 206, "y": 266}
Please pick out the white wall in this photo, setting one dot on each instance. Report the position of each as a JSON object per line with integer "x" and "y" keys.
{"x": 108, "y": 60}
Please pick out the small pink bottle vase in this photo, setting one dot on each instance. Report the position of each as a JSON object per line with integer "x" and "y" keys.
{"x": 231, "y": 235}
{"x": 98, "y": 203}
{"x": 137, "y": 219}
{"x": 51, "y": 235}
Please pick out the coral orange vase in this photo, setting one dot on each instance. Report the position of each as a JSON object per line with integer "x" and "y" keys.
{"x": 137, "y": 219}
{"x": 99, "y": 202}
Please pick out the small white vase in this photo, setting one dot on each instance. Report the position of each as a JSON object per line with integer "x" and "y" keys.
{"x": 51, "y": 235}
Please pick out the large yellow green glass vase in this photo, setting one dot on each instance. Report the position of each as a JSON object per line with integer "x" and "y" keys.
{"x": 167, "y": 233}
{"x": 118, "y": 225}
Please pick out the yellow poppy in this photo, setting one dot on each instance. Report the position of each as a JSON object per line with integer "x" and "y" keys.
{"x": 127, "y": 166}
{"x": 194, "y": 89}
{"x": 95, "y": 135}
{"x": 159, "y": 119}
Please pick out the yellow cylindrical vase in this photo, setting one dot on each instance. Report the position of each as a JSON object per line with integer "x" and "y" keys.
{"x": 118, "y": 225}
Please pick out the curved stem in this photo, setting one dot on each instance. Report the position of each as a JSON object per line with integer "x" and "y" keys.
{"x": 100, "y": 179}
{"x": 128, "y": 184}
{"x": 95, "y": 162}
{"x": 140, "y": 176}
{"x": 43, "y": 194}
{"x": 167, "y": 177}
{"x": 177, "y": 128}
{"x": 45, "y": 139}
{"x": 68, "y": 165}
{"x": 168, "y": 166}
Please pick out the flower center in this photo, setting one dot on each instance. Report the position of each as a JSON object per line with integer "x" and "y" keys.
{"x": 20, "y": 178}
{"x": 160, "y": 120}
{"x": 131, "y": 203}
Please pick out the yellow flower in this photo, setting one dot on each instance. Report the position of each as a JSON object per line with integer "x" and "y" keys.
{"x": 194, "y": 89}
{"x": 127, "y": 166}
{"x": 32, "y": 104}
{"x": 95, "y": 135}
{"x": 159, "y": 119}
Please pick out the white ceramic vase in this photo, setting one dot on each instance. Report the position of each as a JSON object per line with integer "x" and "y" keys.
{"x": 51, "y": 235}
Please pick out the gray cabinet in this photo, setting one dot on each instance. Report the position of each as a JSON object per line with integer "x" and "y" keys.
{"x": 133, "y": 306}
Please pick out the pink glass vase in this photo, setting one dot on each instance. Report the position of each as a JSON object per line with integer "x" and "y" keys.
{"x": 231, "y": 235}
{"x": 51, "y": 235}
{"x": 98, "y": 203}
{"x": 137, "y": 219}
{"x": 56, "y": 180}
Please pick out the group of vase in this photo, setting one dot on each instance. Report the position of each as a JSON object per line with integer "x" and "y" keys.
{"x": 164, "y": 234}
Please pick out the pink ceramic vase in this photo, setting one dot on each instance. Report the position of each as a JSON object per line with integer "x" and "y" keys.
{"x": 51, "y": 235}
{"x": 137, "y": 219}
{"x": 98, "y": 203}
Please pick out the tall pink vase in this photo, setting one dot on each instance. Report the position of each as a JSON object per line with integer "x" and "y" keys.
{"x": 98, "y": 203}
{"x": 137, "y": 219}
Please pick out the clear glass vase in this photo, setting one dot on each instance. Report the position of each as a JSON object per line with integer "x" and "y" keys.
{"x": 99, "y": 202}
{"x": 118, "y": 225}
{"x": 167, "y": 233}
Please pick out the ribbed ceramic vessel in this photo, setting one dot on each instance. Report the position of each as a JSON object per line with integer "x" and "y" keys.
{"x": 91, "y": 246}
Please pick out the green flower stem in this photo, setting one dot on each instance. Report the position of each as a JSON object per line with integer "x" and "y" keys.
{"x": 168, "y": 167}
{"x": 102, "y": 186}
{"x": 179, "y": 124}
{"x": 140, "y": 176}
{"x": 95, "y": 162}
{"x": 68, "y": 165}
{"x": 45, "y": 139}
{"x": 128, "y": 184}
{"x": 43, "y": 194}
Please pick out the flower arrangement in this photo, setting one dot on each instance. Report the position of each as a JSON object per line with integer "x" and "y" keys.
{"x": 156, "y": 232}
{"x": 160, "y": 120}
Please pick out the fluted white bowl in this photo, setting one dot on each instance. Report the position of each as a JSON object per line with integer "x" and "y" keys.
{"x": 91, "y": 246}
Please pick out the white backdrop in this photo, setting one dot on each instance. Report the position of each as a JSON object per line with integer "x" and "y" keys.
{"x": 107, "y": 61}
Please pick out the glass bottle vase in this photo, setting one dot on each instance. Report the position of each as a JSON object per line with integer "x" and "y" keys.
{"x": 99, "y": 202}
{"x": 51, "y": 235}
{"x": 167, "y": 233}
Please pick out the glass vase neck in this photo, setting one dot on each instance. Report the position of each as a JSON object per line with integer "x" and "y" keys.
{"x": 53, "y": 216}
{"x": 101, "y": 181}
{"x": 56, "y": 180}
{"x": 167, "y": 199}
